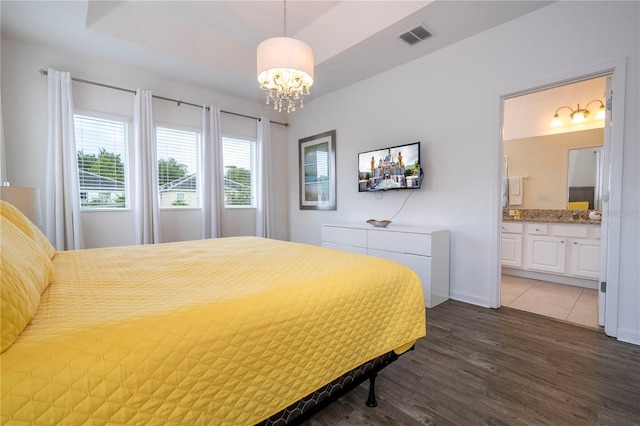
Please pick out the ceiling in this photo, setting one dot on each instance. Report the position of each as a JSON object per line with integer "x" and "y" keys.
{"x": 530, "y": 115}
{"x": 213, "y": 43}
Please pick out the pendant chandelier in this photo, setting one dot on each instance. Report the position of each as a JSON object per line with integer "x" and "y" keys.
{"x": 285, "y": 70}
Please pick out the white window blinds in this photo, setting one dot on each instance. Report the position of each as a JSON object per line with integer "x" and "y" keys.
{"x": 178, "y": 160}
{"x": 102, "y": 161}
{"x": 239, "y": 157}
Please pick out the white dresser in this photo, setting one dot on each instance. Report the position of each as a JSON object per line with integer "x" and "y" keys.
{"x": 425, "y": 251}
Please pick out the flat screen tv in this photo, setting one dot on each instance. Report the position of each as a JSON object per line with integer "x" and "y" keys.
{"x": 396, "y": 167}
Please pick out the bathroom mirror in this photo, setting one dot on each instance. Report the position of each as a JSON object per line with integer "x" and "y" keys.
{"x": 584, "y": 179}
{"x": 552, "y": 164}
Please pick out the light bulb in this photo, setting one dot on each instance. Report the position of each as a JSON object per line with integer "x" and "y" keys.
{"x": 555, "y": 121}
{"x": 578, "y": 117}
{"x": 601, "y": 113}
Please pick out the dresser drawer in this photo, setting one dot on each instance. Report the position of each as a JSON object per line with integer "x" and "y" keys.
{"x": 344, "y": 247}
{"x": 421, "y": 265}
{"x": 345, "y": 236}
{"x": 401, "y": 242}
{"x": 423, "y": 250}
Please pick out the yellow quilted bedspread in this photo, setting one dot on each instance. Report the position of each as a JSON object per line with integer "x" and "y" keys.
{"x": 225, "y": 331}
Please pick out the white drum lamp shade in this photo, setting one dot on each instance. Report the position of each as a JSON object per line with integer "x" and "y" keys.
{"x": 285, "y": 53}
{"x": 285, "y": 71}
{"x": 25, "y": 199}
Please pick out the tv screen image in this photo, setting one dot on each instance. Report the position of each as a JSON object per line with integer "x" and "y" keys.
{"x": 396, "y": 167}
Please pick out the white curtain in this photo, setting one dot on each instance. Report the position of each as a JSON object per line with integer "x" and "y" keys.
{"x": 212, "y": 181}
{"x": 63, "y": 221}
{"x": 3, "y": 161}
{"x": 146, "y": 205}
{"x": 265, "y": 226}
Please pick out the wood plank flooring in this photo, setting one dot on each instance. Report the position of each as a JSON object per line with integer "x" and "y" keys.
{"x": 481, "y": 366}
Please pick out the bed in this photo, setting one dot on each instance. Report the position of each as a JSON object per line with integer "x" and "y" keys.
{"x": 223, "y": 331}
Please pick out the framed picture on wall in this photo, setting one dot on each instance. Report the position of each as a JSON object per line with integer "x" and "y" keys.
{"x": 317, "y": 156}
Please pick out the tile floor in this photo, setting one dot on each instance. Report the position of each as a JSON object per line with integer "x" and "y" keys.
{"x": 574, "y": 304}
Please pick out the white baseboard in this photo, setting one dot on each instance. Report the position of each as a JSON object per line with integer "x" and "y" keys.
{"x": 560, "y": 279}
{"x": 468, "y": 298}
{"x": 629, "y": 336}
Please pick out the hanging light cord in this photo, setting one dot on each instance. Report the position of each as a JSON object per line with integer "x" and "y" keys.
{"x": 402, "y": 206}
{"x": 285, "y": 17}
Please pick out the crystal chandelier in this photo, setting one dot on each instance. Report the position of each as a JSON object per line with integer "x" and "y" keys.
{"x": 285, "y": 70}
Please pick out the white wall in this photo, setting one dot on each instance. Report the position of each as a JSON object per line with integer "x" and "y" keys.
{"x": 24, "y": 99}
{"x": 446, "y": 101}
{"x": 584, "y": 167}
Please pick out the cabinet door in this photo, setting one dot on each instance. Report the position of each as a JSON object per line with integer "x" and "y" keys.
{"x": 585, "y": 258}
{"x": 512, "y": 250}
{"x": 546, "y": 254}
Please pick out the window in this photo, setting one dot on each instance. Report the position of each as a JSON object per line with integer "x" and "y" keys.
{"x": 178, "y": 159}
{"x": 102, "y": 161}
{"x": 239, "y": 157}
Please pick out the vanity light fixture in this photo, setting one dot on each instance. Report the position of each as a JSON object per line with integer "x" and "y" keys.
{"x": 579, "y": 115}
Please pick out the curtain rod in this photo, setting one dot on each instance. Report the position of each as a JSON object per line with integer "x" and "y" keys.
{"x": 179, "y": 102}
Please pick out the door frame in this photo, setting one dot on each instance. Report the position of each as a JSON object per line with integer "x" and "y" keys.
{"x": 617, "y": 70}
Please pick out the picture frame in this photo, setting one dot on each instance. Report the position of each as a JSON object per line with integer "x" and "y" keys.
{"x": 317, "y": 158}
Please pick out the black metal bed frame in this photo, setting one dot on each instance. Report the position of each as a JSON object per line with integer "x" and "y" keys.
{"x": 306, "y": 407}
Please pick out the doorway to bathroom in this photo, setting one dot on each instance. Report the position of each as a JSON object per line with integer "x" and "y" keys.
{"x": 550, "y": 250}
{"x": 553, "y": 254}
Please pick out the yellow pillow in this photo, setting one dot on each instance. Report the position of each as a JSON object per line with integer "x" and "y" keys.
{"x": 578, "y": 205}
{"x": 21, "y": 221}
{"x": 24, "y": 274}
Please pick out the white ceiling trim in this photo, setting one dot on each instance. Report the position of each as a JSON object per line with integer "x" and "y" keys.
{"x": 213, "y": 43}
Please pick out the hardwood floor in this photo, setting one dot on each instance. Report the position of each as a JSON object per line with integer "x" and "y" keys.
{"x": 500, "y": 367}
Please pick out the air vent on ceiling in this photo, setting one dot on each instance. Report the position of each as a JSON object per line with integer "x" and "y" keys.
{"x": 415, "y": 35}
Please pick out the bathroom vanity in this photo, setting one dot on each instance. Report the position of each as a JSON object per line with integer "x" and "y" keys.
{"x": 567, "y": 253}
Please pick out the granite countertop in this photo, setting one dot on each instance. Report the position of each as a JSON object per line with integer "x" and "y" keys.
{"x": 552, "y": 220}
{"x": 550, "y": 216}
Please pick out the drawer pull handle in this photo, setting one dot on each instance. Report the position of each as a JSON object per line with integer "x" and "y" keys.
{"x": 562, "y": 242}
{"x": 537, "y": 229}
{"x": 575, "y": 243}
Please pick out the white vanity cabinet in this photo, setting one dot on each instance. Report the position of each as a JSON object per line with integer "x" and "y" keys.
{"x": 585, "y": 258}
{"x": 556, "y": 252}
{"x": 425, "y": 251}
{"x": 511, "y": 244}
{"x": 547, "y": 254}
